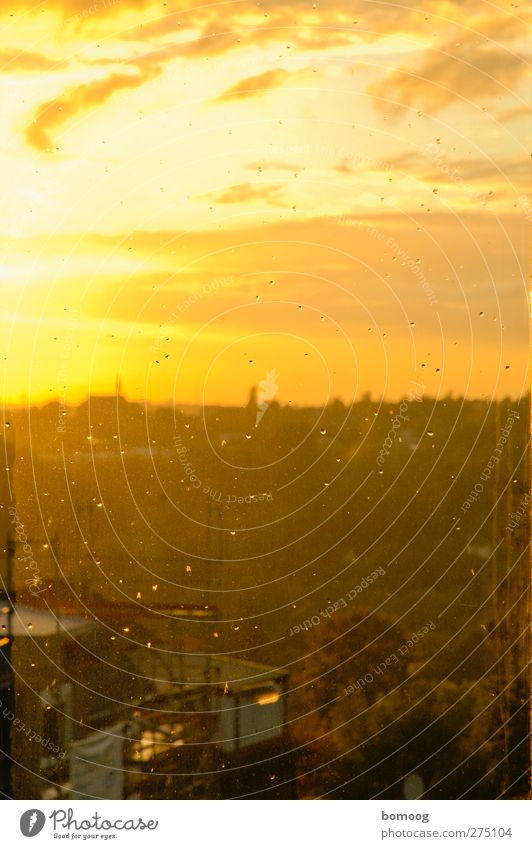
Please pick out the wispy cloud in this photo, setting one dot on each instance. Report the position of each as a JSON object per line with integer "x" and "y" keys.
{"x": 514, "y": 114}
{"x": 256, "y": 85}
{"x": 482, "y": 170}
{"x": 137, "y": 71}
{"x": 457, "y": 72}
{"x": 244, "y": 192}
{"x": 273, "y": 165}
{"x": 12, "y": 60}
{"x": 53, "y": 113}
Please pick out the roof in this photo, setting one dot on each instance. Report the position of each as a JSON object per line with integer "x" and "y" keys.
{"x": 41, "y": 622}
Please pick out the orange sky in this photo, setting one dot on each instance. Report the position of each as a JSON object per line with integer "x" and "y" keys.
{"x": 196, "y": 195}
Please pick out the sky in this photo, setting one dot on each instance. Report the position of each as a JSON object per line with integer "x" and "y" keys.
{"x": 195, "y": 195}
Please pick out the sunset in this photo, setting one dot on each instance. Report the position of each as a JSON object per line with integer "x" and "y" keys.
{"x": 369, "y": 166}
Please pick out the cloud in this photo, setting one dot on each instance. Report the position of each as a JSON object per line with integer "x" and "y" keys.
{"x": 344, "y": 167}
{"x": 431, "y": 167}
{"x": 481, "y": 170}
{"x": 221, "y": 27}
{"x": 245, "y": 192}
{"x": 252, "y": 86}
{"x": 240, "y": 25}
{"x": 56, "y": 112}
{"x": 144, "y": 68}
{"x": 23, "y": 60}
{"x": 350, "y": 165}
{"x": 457, "y": 72}
{"x": 81, "y": 9}
{"x": 513, "y": 114}
{"x": 272, "y": 165}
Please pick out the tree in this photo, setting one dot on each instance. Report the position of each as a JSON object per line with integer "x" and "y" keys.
{"x": 368, "y": 713}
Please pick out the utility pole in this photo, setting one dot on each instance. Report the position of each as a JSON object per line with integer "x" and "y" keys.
{"x": 213, "y": 560}
{"x": 528, "y": 645}
{"x": 7, "y": 678}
